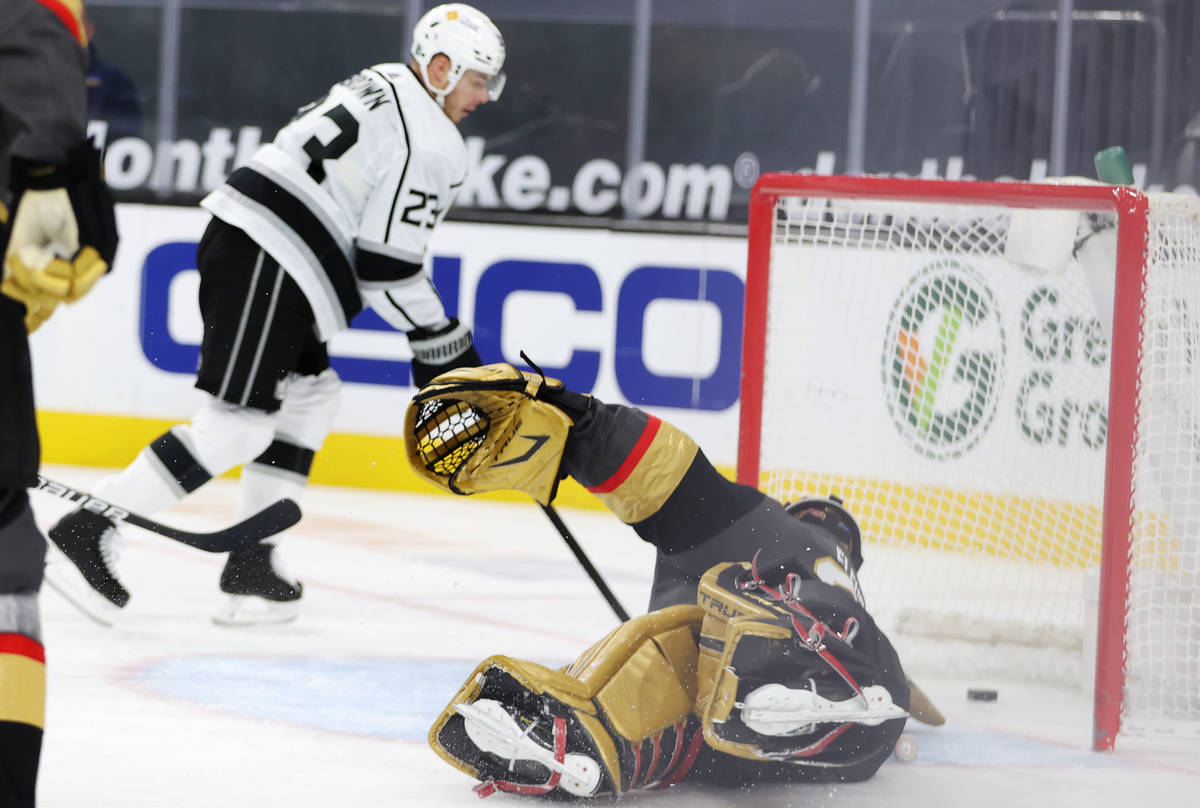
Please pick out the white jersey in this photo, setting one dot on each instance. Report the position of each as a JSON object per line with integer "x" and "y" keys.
{"x": 346, "y": 197}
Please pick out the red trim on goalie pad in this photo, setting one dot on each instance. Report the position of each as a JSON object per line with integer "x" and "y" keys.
{"x": 654, "y": 760}
{"x": 635, "y": 456}
{"x": 652, "y": 784}
{"x": 23, "y": 646}
{"x": 637, "y": 764}
{"x": 689, "y": 761}
{"x": 678, "y": 746}
{"x": 820, "y": 745}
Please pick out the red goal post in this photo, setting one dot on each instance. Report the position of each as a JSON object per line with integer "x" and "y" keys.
{"x": 835, "y": 263}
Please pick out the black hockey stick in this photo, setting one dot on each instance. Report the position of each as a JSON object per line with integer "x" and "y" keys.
{"x": 586, "y": 562}
{"x": 267, "y": 522}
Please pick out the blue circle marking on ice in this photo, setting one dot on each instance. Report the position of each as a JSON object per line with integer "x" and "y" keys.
{"x": 396, "y": 699}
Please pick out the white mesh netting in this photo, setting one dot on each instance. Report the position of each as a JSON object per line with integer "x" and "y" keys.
{"x": 954, "y": 392}
{"x": 1163, "y": 626}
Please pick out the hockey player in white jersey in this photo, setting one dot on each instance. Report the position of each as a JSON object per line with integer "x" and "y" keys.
{"x": 335, "y": 214}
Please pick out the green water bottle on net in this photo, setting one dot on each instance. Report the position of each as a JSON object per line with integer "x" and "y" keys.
{"x": 1112, "y": 166}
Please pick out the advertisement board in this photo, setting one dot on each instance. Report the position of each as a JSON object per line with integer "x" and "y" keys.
{"x": 652, "y": 320}
{"x": 967, "y": 369}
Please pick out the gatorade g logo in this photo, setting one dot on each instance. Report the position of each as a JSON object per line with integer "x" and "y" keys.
{"x": 943, "y": 359}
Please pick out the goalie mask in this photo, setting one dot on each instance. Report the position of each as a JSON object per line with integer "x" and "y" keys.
{"x": 469, "y": 40}
{"x": 829, "y": 513}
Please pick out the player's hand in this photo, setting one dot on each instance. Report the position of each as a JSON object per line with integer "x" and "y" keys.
{"x": 63, "y": 233}
{"x": 438, "y": 350}
{"x": 25, "y": 287}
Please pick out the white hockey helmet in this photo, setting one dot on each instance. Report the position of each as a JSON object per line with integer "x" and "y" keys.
{"x": 470, "y": 41}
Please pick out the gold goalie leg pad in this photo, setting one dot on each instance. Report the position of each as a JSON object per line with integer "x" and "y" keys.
{"x": 617, "y": 719}
{"x": 793, "y": 670}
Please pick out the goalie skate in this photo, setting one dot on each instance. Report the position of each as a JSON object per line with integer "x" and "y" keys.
{"x": 494, "y": 731}
{"x": 778, "y": 710}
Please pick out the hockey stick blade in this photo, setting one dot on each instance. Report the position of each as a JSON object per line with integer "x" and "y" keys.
{"x": 922, "y": 708}
{"x": 273, "y": 519}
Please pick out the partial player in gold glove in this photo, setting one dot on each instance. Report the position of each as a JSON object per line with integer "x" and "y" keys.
{"x": 62, "y": 233}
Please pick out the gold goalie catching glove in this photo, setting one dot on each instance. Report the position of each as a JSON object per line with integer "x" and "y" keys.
{"x": 793, "y": 670}
{"x": 488, "y": 429}
{"x": 62, "y": 233}
{"x": 617, "y": 719}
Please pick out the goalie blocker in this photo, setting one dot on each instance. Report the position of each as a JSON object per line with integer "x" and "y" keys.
{"x": 759, "y": 671}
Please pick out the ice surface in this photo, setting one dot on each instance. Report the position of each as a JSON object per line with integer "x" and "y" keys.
{"x": 404, "y": 595}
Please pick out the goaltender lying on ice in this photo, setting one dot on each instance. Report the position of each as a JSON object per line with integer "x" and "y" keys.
{"x": 757, "y": 659}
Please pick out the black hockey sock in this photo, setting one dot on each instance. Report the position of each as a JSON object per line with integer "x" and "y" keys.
{"x": 179, "y": 462}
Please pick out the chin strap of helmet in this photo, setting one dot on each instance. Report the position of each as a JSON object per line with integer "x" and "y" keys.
{"x": 438, "y": 95}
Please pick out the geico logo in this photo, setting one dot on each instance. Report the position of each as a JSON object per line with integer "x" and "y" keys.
{"x": 632, "y": 329}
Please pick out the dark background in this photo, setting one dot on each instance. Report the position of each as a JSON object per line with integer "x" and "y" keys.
{"x": 947, "y": 78}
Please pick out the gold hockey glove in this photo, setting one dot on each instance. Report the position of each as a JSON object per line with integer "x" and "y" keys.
{"x": 487, "y": 429}
{"x": 63, "y": 233}
{"x": 615, "y": 720}
{"x": 786, "y": 675}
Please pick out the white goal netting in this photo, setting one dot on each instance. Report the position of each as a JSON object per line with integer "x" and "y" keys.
{"x": 944, "y": 366}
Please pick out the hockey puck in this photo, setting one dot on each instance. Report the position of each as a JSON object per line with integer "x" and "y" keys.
{"x": 982, "y": 694}
{"x": 906, "y": 748}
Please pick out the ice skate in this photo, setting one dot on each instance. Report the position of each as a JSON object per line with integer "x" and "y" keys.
{"x": 81, "y": 565}
{"x": 496, "y": 732}
{"x": 259, "y": 590}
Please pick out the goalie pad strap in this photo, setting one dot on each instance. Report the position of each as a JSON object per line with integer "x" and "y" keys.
{"x": 689, "y": 760}
{"x": 486, "y": 789}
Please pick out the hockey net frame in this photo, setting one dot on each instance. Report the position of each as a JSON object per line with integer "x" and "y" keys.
{"x": 1131, "y": 210}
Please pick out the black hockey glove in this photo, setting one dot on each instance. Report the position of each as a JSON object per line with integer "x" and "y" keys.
{"x": 436, "y": 351}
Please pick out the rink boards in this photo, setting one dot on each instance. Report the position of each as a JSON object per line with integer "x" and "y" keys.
{"x": 653, "y": 320}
